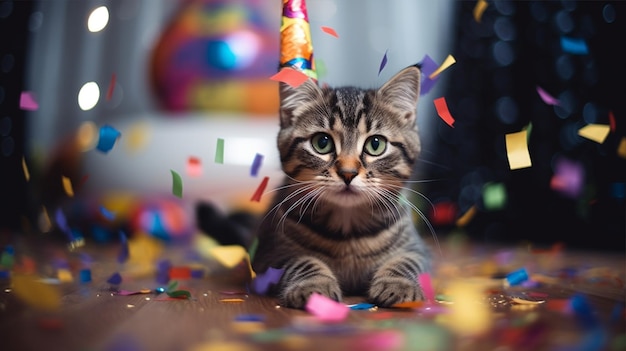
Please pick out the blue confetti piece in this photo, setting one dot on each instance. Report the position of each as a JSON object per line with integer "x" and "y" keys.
{"x": 250, "y": 318}
{"x": 583, "y": 311}
{"x": 575, "y": 46}
{"x": 108, "y": 137}
{"x": 84, "y": 276}
{"x": 115, "y": 279}
{"x": 383, "y": 63}
{"x": 5, "y": 274}
{"x": 517, "y": 277}
{"x": 124, "y": 252}
{"x": 107, "y": 214}
{"x": 361, "y": 306}
{"x": 256, "y": 165}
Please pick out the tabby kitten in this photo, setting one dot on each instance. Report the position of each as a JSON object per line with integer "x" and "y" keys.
{"x": 338, "y": 224}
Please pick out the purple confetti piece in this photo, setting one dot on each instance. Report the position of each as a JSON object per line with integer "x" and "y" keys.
{"x": 256, "y": 165}
{"x": 547, "y": 98}
{"x": 28, "y": 101}
{"x": 568, "y": 178}
{"x": 163, "y": 271}
{"x": 428, "y": 66}
{"x": 115, "y": 279}
{"x": 383, "y": 63}
{"x": 124, "y": 252}
{"x": 108, "y": 137}
{"x": 263, "y": 281}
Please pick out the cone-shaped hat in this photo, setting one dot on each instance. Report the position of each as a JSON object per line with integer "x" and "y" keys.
{"x": 296, "y": 49}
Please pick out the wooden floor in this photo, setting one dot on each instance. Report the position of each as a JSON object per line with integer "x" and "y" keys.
{"x": 572, "y": 301}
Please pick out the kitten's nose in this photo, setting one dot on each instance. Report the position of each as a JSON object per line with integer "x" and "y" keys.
{"x": 347, "y": 175}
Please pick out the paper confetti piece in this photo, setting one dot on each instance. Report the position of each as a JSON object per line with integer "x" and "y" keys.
{"x": 494, "y": 196}
{"x": 568, "y": 177}
{"x": 330, "y": 31}
{"x": 517, "y": 150}
{"x": 262, "y": 283}
{"x": 449, "y": 61}
{"x": 547, "y": 98}
{"x": 595, "y": 132}
{"x": 259, "y": 191}
{"x": 111, "y": 87}
{"x": 383, "y": 63}
{"x": 124, "y": 252}
{"x": 361, "y": 306}
{"x": 612, "y": 121}
{"x": 228, "y": 255}
{"x": 194, "y": 167}
{"x": 443, "y": 112}
{"x": 28, "y": 101}
{"x": 108, "y": 137}
{"x": 325, "y": 309}
{"x": 290, "y": 76}
{"x": 106, "y": 213}
{"x": 67, "y": 186}
{"x": 428, "y": 66}
{"x": 84, "y": 275}
{"x": 36, "y": 293}
{"x": 177, "y": 184}
{"x": 575, "y": 46}
{"x": 219, "y": 151}
{"x": 179, "y": 294}
{"x": 516, "y": 277}
{"x": 115, "y": 279}
{"x": 621, "y": 148}
{"x": 256, "y": 165}
{"x": 466, "y": 217}
{"x": 25, "y": 169}
{"x": 232, "y": 300}
{"x": 408, "y": 304}
{"x": 479, "y": 9}
{"x": 128, "y": 292}
{"x": 427, "y": 287}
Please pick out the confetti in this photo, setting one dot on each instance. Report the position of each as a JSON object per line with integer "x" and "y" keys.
{"x": 467, "y": 315}
{"x": 232, "y": 300}
{"x": 330, "y": 31}
{"x": 256, "y": 165}
{"x": 547, "y": 98}
{"x": 228, "y": 255}
{"x": 494, "y": 196}
{"x": 575, "y": 46}
{"x": 408, "y": 304}
{"x": 28, "y": 101}
{"x": 612, "y": 121}
{"x": 115, "y": 279}
{"x": 427, "y": 287}
{"x": 621, "y": 148}
{"x": 568, "y": 177}
{"x": 428, "y": 66}
{"x": 290, "y": 76}
{"x": 219, "y": 151}
{"x": 108, "y": 137}
{"x": 259, "y": 191}
{"x": 84, "y": 275}
{"x": 325, "y": 309}
{"x": 466, "y": 217}
{"x": 262, "y": 283}
{"x": 124, "y": 252}
{"x": 111, "y": 87}
{"x": 35, "y": 293}
{"x": 25, "y": 169}
{"x": 67, "y": 186}
{"x": 449, "y": 61}
{"x": 177, "y": 184}
{"x": 595, "y": 132}
{"x": 383, "y": 63}
{"x": 194, "y": 167}
{"x": 179, "y": 294}
{"x": 443, "y": 112}
{"x": 517, "y": 150}
{"x": 361, "y": 306}
{"x": 479, "y": 9}
{"x": 516, "y": 277}
{"x": 106, "y": 213}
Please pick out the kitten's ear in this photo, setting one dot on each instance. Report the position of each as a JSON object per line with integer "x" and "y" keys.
{"x": 293, "y": 98}
{"x": 402, "y": 92}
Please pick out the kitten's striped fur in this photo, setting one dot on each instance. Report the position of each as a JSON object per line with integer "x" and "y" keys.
{"x": 338, "y": 225}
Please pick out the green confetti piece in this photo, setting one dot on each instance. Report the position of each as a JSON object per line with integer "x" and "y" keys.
{"x": 177, "y": 184}
{"x": 219, "y": 151}
{"x": 172, "y": 285}
{"x": 6, "y": 260}
{"x": 252, "y": 249}
{"x": 179, "y": 294}
{"x": 494, "y": 196}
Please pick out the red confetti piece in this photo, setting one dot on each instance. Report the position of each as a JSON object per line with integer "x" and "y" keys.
{"x": 330, "y": 31}
{"x": 259, "y": 191}
{"x": 194, "y": 167}
{"x": 180, "y": 273}
{"x": 111, "y": 87}
{"x": 612, "y": 123}
{"x": 443, "y": 112}
{"x": 290, "y": 76}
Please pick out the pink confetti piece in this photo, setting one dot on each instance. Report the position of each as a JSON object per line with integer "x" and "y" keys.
{"x": 325, "y": 309}
{"x": 330, "y": 31}
{"x": 111, "y": 87}
{"x": 383, "y": 63}
{"x": 443, "y": 112}
{"x": 547, "y": 98}
{"x": 259, "y": 191}
{"x": 194, "y": 167}
{"x": 427, "y": 287}
{"x": 290, "y": 76}
{"x": 28, "y": 101}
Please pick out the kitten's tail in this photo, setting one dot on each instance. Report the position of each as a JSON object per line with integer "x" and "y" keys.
{"x": 236, "y": 228}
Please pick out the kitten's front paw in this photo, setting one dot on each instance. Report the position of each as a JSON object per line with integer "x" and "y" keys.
{"x": 388, "y": 291}
{"x": 297, "y": 294}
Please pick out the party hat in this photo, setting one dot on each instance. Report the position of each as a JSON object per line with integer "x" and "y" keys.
{"x": 296, "y": 49}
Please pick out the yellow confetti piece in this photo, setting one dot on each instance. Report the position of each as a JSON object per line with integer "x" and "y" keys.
{"x": 35, "y": 293}
{"x": 526, "y": 302}
{"x": 25, "y": 169}
{"x": 481, "y": 6}
{"x": 65, "y": 276}
{"x": 517, "y": 150}
{"x": 595, "y": 132}
{"x": 621, "y": 149}
{"x": 469, "y": 315}
{"x": 449, "y": 61}
{"x": 137, "y": 136}
{"x": 232, "y": 300}
{"x": 222, "y": 346}
{"x": 248, "y": 327}
{"x": 228, "y": 255}
{"x": 67, "y": 186}
{"x": 466, "y": 217}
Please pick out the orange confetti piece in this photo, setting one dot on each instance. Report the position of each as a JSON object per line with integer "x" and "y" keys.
{"x": 479, "y": 9}
{"x": 330, "y": 31}
{"x": 409, "y": 304}
{"x": 290, "y": 76}
{"x": 259, "y": 191}
{"x": 67, "y": 186}
{"x": 466, "y": 217}
{"x": 621, "y": 148}
{"x": 443, "y": 112}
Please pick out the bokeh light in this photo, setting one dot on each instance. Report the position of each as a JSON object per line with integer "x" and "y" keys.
{"x": 98, "y": 19}
{"x": 88, "y": 96}
{"x": 87, "y": 136}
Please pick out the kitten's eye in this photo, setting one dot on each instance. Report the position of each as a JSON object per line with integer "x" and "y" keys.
{"x": 375, "y": 145}
{"x": 322, "y": 143}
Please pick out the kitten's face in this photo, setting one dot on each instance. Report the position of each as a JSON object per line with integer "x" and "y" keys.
{"x": 350, "y": 145}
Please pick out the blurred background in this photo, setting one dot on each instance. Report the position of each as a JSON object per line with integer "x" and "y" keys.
{"x": 129, "y": 112}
